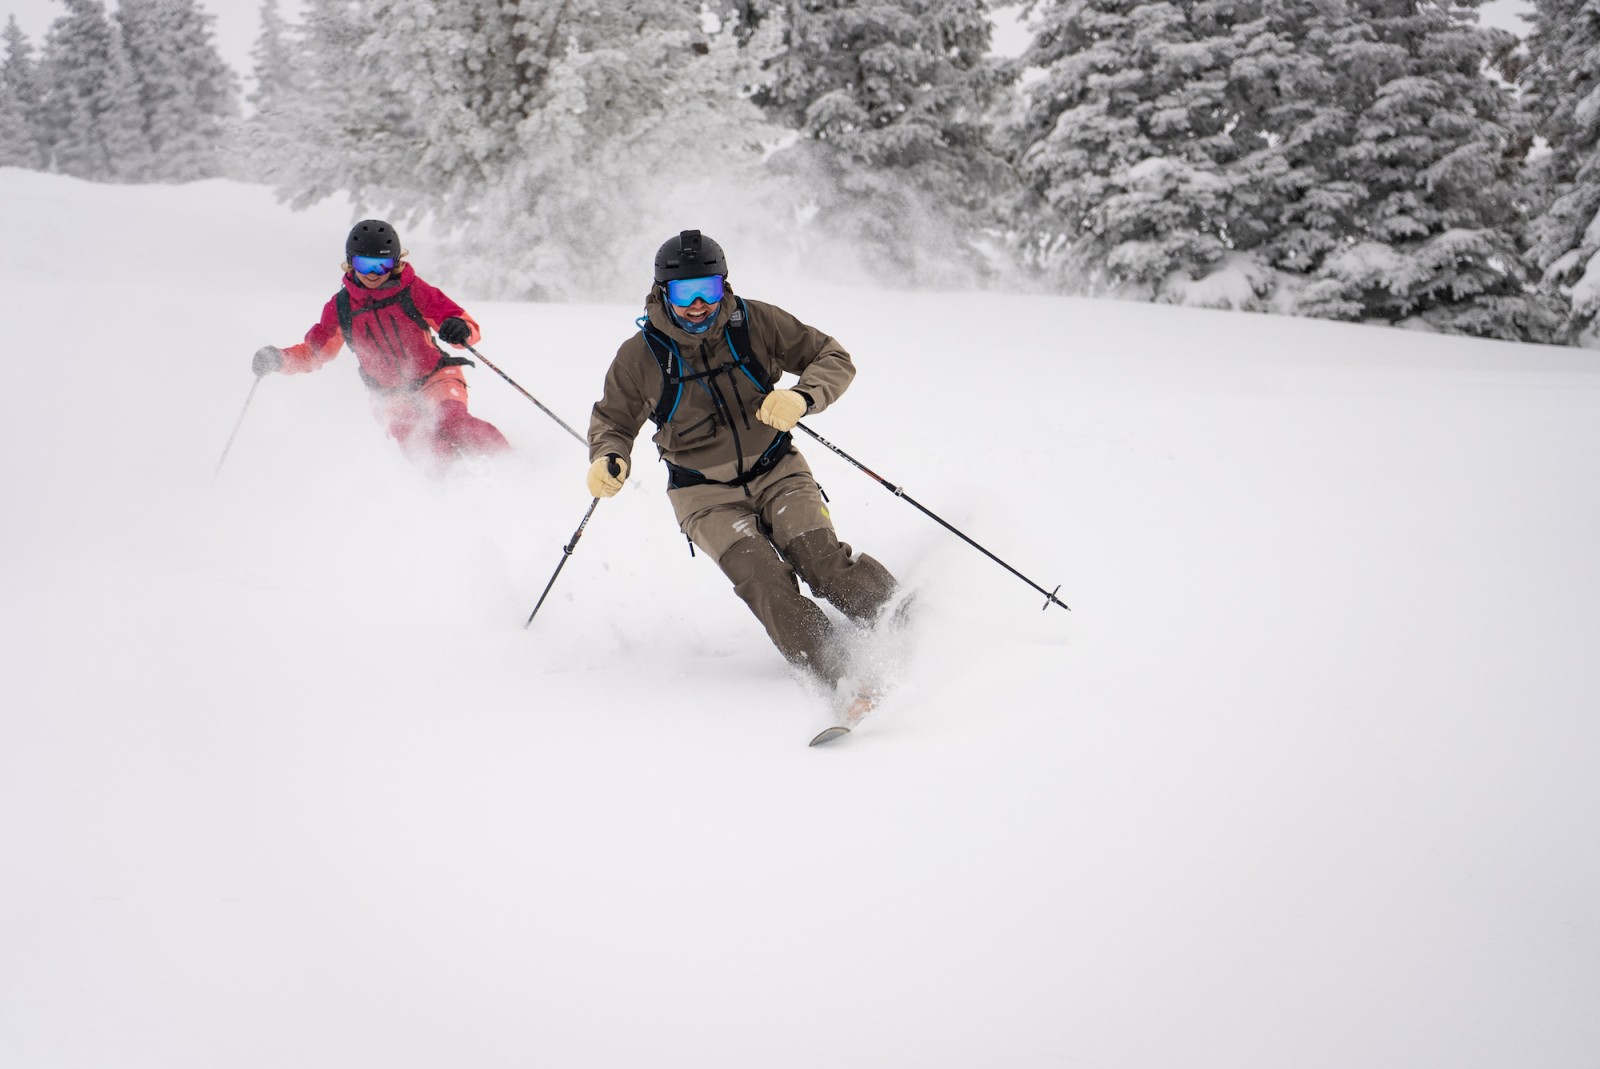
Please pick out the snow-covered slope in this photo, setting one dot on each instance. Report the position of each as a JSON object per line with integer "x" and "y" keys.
{"x": 1306, "y": 778}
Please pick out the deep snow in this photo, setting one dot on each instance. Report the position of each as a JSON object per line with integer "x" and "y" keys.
{"x": 1307, "y": 777}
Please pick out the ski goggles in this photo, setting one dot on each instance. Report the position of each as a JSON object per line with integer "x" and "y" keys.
{"x": 372, "y": 265}
{"x": 682, "y": 292}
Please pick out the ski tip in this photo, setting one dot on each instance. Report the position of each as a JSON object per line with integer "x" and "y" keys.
{"x": 829, "y": 734}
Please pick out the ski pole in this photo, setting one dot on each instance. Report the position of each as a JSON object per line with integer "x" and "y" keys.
{"x": 251, "y": 396}
{"x": 566, "y": 550}
{"x": 490, "y": 365}
{"x": 1049, "y": 595}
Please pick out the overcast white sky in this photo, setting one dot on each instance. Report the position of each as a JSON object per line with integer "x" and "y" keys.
{"x": 237, "y": 22}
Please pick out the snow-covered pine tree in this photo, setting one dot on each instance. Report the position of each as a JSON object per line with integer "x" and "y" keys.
{"x": 644, "y": 127}
{"x": 20, "y": 137}
{"x": 88, "y": 99}
{"x": 333, "y": 124}
{"x": 271, "y": 62}
{"x": 1352, "y": 150}
{"x": 1126, "y": 143}
{"x": 264, "y": 135}
{"x": 1560, "y": 82}
{"x": 186, "y": 92}
{"x": 891, "y": 97}
{"x": 467, "y": 73}
{"x": 1432, "y": 233}
{"x": 1286, "y": 211}
{"x": 547, "y": 137}
{"x": 17, "y": 147}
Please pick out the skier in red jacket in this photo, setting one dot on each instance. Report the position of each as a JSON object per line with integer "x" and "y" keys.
{"x": 387, "y": 314}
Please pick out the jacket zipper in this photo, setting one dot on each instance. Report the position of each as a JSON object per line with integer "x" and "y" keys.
{"x": 726, "y": 412}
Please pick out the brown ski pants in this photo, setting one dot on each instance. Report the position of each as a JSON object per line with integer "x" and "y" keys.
{"x": 769, "y": 540}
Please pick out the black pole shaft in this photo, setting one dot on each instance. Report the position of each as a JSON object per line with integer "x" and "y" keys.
{"x": 1049, "y": 595}
{"x": 541, "y": 406}
{"x": 566, "y": 551}
{"x": 251, "y": 396}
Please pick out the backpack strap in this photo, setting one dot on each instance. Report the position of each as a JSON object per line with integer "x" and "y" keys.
{"x": 408, "y": 307}
{"x": 670, "y": 361}
{"x": 341, "y": 302}
{"x": 665, "y": 350}
{"x": 744, "y": 358}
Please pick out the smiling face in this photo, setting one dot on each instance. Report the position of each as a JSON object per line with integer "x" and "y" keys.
{"x": 698, "y": 312}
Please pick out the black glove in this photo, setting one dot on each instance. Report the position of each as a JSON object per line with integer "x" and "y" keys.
{"x": 454, "y": 331}
{"x": 268, "y": 359}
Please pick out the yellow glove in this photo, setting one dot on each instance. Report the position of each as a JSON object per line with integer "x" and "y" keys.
{"x": 782, "y": 409}
{"x": 606, "y": 475}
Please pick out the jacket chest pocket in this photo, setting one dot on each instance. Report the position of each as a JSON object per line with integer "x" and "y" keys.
{"x": 683, "y": 434}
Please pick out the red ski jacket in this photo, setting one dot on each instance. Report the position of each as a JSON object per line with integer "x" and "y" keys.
{"x": 388, "y": 329}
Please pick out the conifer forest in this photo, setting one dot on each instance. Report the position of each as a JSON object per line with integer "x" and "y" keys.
{"x": 1383, "y": 161}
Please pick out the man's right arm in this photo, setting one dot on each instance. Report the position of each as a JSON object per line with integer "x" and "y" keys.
{"x": 624, "y": 406}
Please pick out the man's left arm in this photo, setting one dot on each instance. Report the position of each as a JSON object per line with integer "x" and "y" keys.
{"x": 823, "y": 366}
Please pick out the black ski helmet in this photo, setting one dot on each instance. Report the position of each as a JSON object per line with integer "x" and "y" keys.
{"x": 689, "y": 255}
{"x": 372, "y": 237}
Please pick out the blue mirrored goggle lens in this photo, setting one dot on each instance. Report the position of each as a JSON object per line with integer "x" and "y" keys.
{"x": 682, "y": 292}
{"x": 372, "y": 265}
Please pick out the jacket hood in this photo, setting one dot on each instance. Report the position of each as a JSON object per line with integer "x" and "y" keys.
{"x": 655, "y": 307}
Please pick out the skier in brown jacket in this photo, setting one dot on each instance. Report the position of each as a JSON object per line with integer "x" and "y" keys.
{"x": 704, "y": 366}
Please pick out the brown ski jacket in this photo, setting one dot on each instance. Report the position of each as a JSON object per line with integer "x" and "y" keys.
{"x": 712, "y": 433}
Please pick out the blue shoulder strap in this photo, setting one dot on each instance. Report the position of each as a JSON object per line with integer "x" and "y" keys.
{"x": 670, "y": 360}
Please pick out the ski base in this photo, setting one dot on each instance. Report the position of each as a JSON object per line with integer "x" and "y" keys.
{"x": 829, "y": 734}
